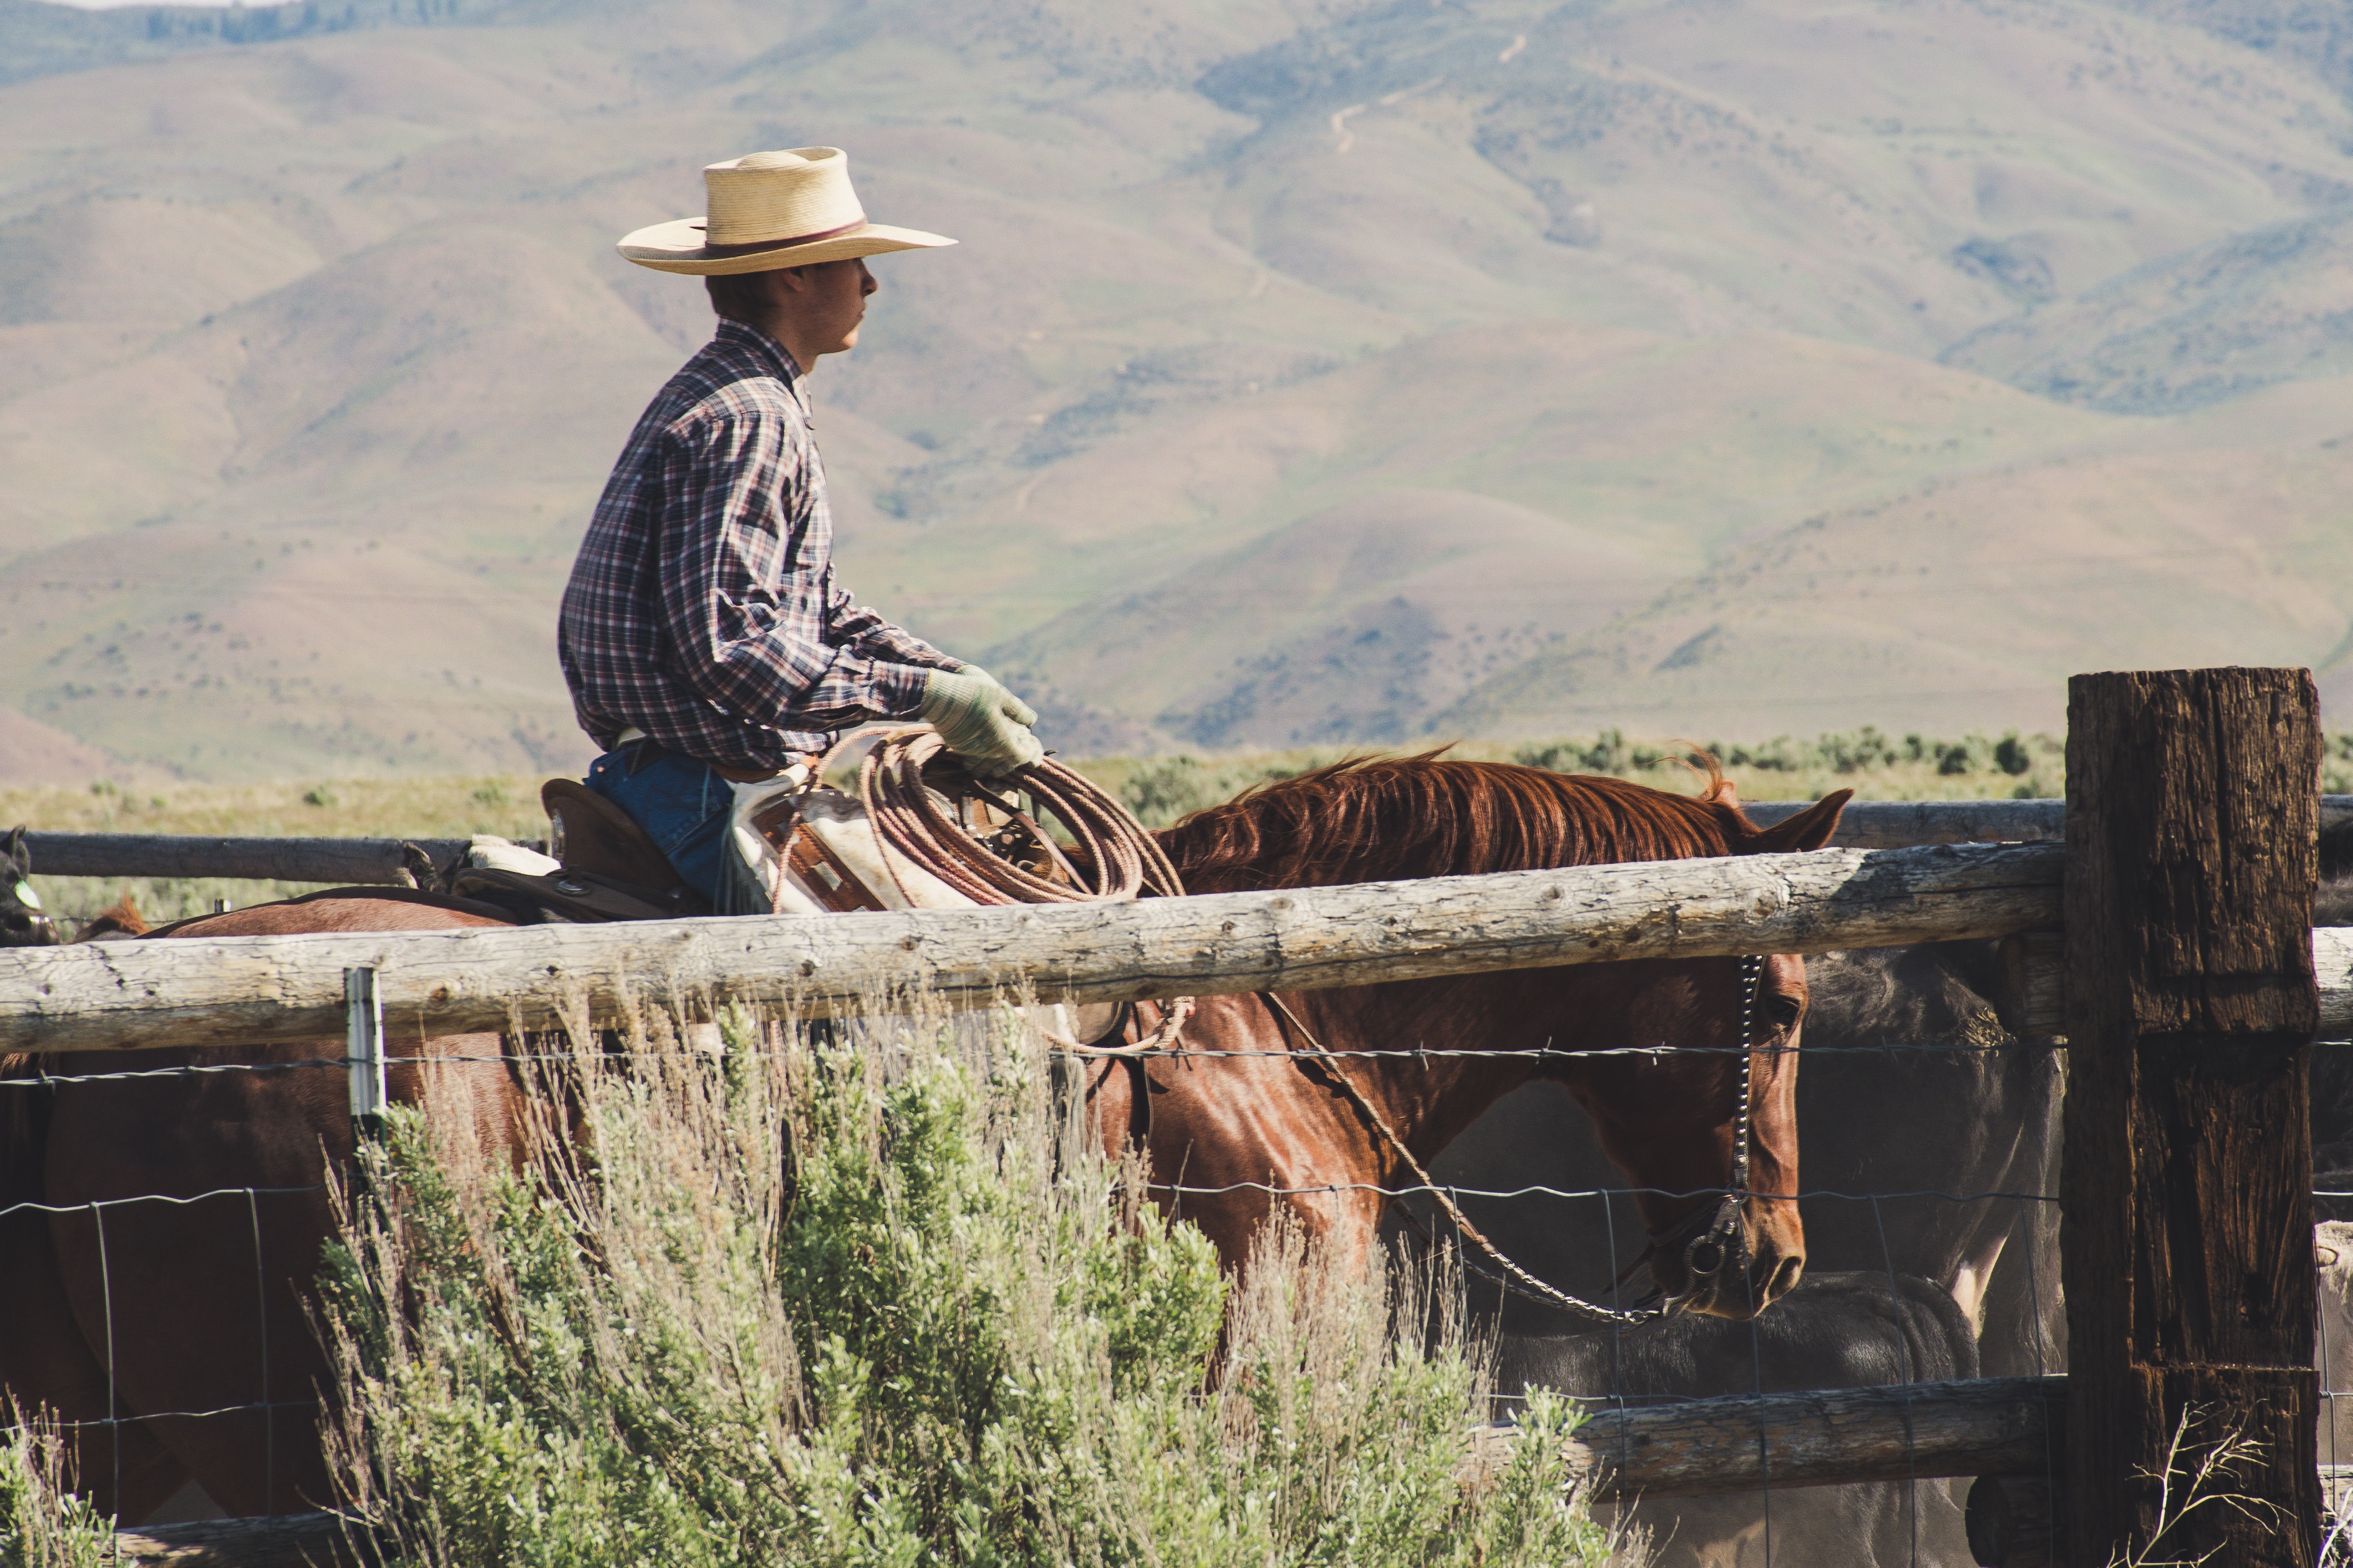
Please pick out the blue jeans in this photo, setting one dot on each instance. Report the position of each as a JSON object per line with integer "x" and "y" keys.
{"x": 684, "y": 808}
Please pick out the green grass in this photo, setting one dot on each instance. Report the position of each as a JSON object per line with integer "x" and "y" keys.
{"x": 1874, "y": 765}
{"x": 455, "y": 807}
{"x": 450, "y": 806}
{"x": 42, "y": 1524}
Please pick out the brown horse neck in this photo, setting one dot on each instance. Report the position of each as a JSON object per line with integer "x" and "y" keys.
{"x": 1419, "y": 1083}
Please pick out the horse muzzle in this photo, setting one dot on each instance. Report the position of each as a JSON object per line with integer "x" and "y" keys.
{"x": 1738, "y": 1263}
{"x": 28, "y": 927}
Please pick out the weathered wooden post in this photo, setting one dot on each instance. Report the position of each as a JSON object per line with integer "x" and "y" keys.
{"x": 2187, "y": 1193}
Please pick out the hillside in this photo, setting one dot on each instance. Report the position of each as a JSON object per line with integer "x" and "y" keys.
{"x": 2209, "y": 324}
{"x": 2185, "y": 545}
{"x": 1311, "y": 370}
{"x": 1433, "y": 545}
{"x": 2316, "y": 33}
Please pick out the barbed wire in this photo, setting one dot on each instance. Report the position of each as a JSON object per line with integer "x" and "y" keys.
{"x": 1408, "y": 1190}
{"x": 119, "y": 1421}
{"x": 50, "y": 1080}
{"x": 181, "y": 1198}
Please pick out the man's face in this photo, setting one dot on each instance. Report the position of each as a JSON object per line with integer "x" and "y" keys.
{"x": 826, "y": 303}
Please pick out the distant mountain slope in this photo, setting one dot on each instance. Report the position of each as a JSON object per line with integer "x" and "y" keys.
{"x": 41, "y": 39}
{"x": 2226, "y": 538}
{"x": 2316, "y": 33}
{"x": 1354, "y": 623}
{"x": 34, "y": 753}
{"x": 2212, "y": 324}
{"x": 1477, "y": 327}
{"x": 1434, "y": 530}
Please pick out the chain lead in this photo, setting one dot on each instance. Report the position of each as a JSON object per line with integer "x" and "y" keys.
{"x": 1752, "y": 979}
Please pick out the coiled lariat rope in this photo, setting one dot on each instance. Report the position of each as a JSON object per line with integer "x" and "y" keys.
{"x": 1113, "y": 856}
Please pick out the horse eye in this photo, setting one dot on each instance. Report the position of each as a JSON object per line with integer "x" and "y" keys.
{"x": 1784, "y": 1012}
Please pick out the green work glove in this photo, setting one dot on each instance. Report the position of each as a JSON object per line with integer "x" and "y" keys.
{"x": 981, "y": 722}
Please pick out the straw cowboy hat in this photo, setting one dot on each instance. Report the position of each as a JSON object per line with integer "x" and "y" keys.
{"x": 770, "y": 210}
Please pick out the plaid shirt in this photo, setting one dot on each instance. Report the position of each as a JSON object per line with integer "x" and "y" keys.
{"x": 703, "y": 608}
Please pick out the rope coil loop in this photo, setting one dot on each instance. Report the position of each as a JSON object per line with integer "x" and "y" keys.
{"x": 1113, "y": 856}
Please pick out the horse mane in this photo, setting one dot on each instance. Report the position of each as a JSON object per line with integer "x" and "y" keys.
{"x": 1375, "y": 819}
{"x": 121, "y": 920}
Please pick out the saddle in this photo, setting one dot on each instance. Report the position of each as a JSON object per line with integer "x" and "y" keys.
{"x": 603, "y": 867}
{"x": 810, "y": 845}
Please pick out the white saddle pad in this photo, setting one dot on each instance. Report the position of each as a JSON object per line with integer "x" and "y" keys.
{"x": 811, "y": 847}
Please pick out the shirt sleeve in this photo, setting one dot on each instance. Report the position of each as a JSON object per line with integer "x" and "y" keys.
{"x": 747, "y": 593}
{"x": 853, "y": 624}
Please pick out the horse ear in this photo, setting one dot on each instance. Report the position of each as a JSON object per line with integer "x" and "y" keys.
{"x": 1810, "y": 829}
{"x": 13, "y": 851}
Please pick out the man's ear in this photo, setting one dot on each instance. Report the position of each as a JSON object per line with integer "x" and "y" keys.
{"x": 1810, "y": 829}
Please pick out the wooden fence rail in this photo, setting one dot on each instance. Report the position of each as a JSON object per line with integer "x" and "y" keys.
{"x": 1699, "y": 1447}
{"x": 1702, "y": 1447}
{"x": 341, "y": 861}
{"x": 251, "y": 990}
{"x": 284, "y": 1541}
{"x": 254, "y": 990}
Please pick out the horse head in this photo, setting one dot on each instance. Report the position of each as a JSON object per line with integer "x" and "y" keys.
{"x": 23, "y": 922}
{"x": 1658, "y": 1053}
{"x": 1695, "y": 1100}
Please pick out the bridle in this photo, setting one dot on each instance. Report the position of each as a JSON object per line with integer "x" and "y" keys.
{"x": 1710, "y": 1239}
{"x": 31, "y": 922}
{"x": 1719, "y": 1240}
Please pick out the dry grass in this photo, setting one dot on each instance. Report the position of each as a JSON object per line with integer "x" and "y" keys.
{"x": 2201, "y": 1476}
{"x": 446, "y": 807}
{"x": 440, "y": 808}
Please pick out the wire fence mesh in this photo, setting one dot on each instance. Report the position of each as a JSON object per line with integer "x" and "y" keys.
{"x": 1930, "y": 1212}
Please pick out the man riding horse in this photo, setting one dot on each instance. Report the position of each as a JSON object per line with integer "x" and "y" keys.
{"x": 704, "y": 636}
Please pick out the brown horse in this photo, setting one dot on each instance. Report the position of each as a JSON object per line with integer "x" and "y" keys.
{"x": 177, "y": 1236}
{"x": 199, "y": 1305}
{"x": 1230, "y": 1135}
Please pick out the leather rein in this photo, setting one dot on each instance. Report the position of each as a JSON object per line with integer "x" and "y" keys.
{"x": 1709, "y": 1240}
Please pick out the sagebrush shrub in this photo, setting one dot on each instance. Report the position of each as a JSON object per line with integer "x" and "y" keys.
{"x": 873, "y": 1303}
{"x": 42, "y": 1524}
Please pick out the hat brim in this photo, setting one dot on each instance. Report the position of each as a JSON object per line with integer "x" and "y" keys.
{"x": 679, "y": 246}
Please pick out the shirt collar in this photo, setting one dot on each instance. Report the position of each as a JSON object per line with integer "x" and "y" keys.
{"x": 772, "y": 354}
